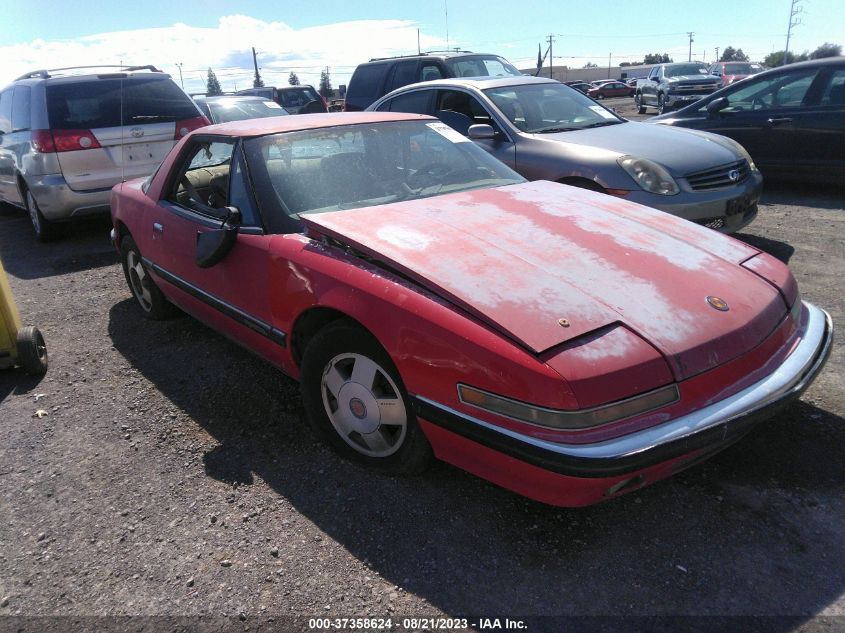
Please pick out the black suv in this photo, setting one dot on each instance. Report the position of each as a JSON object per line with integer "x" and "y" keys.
{"x": 294, "y": 99}
{"x": 377, "y": 77}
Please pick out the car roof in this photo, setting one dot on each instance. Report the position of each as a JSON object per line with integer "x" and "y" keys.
{"x": 482, "y": 83}
{"x": 430, "y": 55}
{"x": 273, "y": 125}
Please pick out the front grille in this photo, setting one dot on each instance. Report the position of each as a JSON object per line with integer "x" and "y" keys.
{"x": 700, "y": 89}
{"x": 719, "y": 177}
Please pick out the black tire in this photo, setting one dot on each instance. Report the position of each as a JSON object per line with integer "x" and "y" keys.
{"x": 147, "y": 295}
{"x": 32, "y": 351}
{"x": 661, "y": 104}
{"x": 351, "y": 420}
{"x": 638, "y": 101}
{"x": 44, "y": 229}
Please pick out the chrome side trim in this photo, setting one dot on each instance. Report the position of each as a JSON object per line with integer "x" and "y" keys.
{"x": 794, "y": 375}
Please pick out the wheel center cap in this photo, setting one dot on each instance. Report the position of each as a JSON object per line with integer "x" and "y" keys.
{"x": 358, "y": 408}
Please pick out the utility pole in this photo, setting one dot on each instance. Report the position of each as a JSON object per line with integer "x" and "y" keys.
{"x": 793, "y": 11}
{"x": 257, "y": 82}
{"x": 690, "y": 33}
{"x": 551, "y": 58}
{"x": 446, "y": 9}
{"x": 419, "y": 51}
{"x": 609, "y": 57}
{"x": 181, "y": 81}
{"x": 717, "y": 53}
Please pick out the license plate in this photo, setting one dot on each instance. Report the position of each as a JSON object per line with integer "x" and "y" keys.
{"x": 738, "y": 205}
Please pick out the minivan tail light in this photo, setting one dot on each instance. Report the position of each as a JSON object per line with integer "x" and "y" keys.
{"x": 188, "y": 125}
{"x": 42, "y": 141}
{"x": 74, "y": 140}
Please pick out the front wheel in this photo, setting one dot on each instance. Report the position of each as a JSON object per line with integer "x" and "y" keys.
{"x": 638, "y": 101}
{"x": 147, "y": 295}
{"x": 356, "y": 402}
{"x": 661, "y": 104}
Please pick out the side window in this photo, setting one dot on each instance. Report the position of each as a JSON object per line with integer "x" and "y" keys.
{"x": 430, "y": 72}
{"x": 415, "y": 102}
{"x": 653, "y": 72}
{"x": 203, "y": 181}
{"x": 366, "y": 80}
{"x": 239, "y": 195}
{"x": 834, "y": 92}
{"x": 6, "y": 111}
{"x": 20, "y": 109}
{"x": 459, "y": 110}
{"x": 404, "y": 73}
{"x": 772, "y": 93}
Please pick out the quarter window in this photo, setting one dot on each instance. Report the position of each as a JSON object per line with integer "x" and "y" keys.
{"x": 6, "y": 111}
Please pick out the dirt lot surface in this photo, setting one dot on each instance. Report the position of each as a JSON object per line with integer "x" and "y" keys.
{"x": 173, "y": 474}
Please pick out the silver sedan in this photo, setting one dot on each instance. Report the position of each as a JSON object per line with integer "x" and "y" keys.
{"x": 547, "y": 131}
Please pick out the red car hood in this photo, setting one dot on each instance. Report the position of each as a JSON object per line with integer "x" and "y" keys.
{"x": 544, "y": 263}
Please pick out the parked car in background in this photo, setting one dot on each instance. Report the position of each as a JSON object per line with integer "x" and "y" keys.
{"x": 237, "y": 108}
{"x": 381, "y": 75}
{"x": 68, "y": 135}
{"x": 580, "y": 86}
{"x": 294, "y": 99}
{"x": 559, "y": 343}
{"x": 674, "y": 85}
{"x": 547, "y": 131}
{"x": 729, "y": 72}
{"x": 791, "y": 119}
{"x": 611, "y": 89}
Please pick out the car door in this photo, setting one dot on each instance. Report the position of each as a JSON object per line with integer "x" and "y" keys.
{"x": 761, "y": 115}
{"x": 648, "y": 90}
{"x": 232, "y": 295}
{"x": 819, "y": 152}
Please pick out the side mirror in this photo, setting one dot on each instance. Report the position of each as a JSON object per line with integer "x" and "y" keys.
{"x": 214, "y": 245}
{"x": 717, "y": 105}
{"x": 481, "y": 131}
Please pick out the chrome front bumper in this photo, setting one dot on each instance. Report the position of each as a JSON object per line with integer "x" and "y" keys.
{"x": 704, "y": 430}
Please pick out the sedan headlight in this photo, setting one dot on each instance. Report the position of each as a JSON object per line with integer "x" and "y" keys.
{"x": 570, "y": 420}
{"x": 649, "y": 175}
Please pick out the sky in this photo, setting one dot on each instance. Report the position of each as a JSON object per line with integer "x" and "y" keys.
{"x": 308, "y": 36}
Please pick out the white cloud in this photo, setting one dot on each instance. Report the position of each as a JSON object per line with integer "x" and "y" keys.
{"x": 227, "y": 49}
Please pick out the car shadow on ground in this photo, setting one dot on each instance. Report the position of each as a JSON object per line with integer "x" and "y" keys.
{"x": 775, "y": 248}
{"x": 14, "y": 381}
{"x": 821, "y": 196}
{"x": 748, "y": 532}
{"x": 80, "y": 245}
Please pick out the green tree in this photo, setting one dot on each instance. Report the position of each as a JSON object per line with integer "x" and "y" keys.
{"x": 826, "y": 50}
{"x": 293, "y": 80}
{"x": 657, "y": 58}
{"x": 325, "y": 84}
{"x": 258, "y": 82}
{"x": 590, "y": 65}
{"x": 731, "y": 54}
{"x": 212, "y": 87}
{"x": 777, "y": 58}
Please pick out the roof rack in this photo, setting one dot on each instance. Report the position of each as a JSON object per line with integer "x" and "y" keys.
{"x": 451, "y": 51}
{"x": 45, "y": 73}
{"x": 454, "y": 51}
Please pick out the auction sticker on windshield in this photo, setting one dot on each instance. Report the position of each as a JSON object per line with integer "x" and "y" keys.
{"x": 602, "y": 112}
{"x": 445, "y": 130}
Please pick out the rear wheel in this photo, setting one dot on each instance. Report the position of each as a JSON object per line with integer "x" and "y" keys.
{"x": 147, "y": 295}
{"x": 356, "y": 402}
{"x": 44, "y": 230}
{"x": 32, "y": 351}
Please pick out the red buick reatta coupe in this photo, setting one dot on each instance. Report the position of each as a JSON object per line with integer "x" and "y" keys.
{"x": 564, "y": 344}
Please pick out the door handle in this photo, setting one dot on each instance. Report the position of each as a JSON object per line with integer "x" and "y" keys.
{"x": 773, "y": 122}
{"x": 158, "y": 228}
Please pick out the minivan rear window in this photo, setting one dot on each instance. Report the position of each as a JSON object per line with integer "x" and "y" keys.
{"x": 366, "y": 80}
{"x": 98, "y": 104}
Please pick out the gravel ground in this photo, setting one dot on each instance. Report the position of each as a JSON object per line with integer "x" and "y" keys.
{"x": 172, "y": 474}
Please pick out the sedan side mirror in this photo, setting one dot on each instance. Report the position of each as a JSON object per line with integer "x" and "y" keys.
{"x": 717, "y": 105}
{"x": 214, "y": 245}
{"x": 481, "y": 131}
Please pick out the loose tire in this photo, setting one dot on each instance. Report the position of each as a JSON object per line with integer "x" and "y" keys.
{"x": 44, "y": 230}
{"x": 661, "y": 104}
{"x": 32, "y": 351}
{"x": 638, "y": 101}
{"x": 356, "y": 402}
{"x": 147, "y": 295}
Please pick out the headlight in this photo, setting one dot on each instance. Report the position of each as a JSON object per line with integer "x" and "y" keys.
{"x": 744, "y": 153}
{"x": 558, "y": 419}
{"x": 649, "y": 175}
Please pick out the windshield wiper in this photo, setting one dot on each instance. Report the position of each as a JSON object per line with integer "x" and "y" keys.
{"x": 549, "y": 130}
{"x": 600, "y": 124}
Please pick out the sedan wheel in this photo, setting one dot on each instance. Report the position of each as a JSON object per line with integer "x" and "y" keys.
{"x": 356, "y": 402}
{"x": 146, "y": 293}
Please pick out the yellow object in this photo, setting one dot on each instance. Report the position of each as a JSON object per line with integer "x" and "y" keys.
{"x": 18, "y": 345}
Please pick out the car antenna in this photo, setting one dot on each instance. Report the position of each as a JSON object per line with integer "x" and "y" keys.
{"x": 122, "y": 133}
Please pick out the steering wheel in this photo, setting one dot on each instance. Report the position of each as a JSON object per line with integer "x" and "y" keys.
{"x": 431, "y": 172}
{"x": 758, "y": 103}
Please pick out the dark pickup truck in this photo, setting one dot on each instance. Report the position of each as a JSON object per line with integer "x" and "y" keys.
{"x": 670, "y": 86}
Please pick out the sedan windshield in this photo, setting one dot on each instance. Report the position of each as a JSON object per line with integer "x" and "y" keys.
{"x": 239, "y": 109}
{"x": 549, "y": 107}
{"x": 353, "y": 166}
